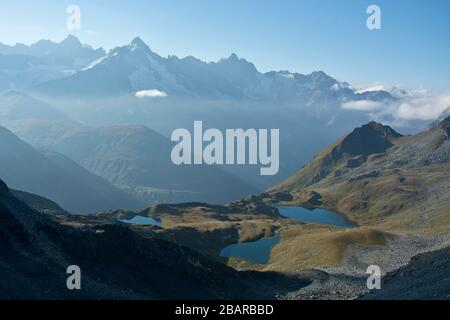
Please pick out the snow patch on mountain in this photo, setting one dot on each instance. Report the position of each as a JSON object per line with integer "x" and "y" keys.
{"x": 94, "y": 63}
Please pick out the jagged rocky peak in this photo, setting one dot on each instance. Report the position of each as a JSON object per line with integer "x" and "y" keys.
{"x": 386, "y": 131}
{"x": 369, "y": 139}
{"x": 319, "y": 74}
{"x": 235, "y": 59}
{"x": 136, "y": 47}
{"x": 321, "y": 80}
{"x": 71, "y": 40}
{"x": 236, "y": 65}
{"x": 139, "y": 44}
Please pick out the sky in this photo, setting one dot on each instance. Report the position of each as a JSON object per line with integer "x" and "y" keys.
{"x": 411, "y": 50}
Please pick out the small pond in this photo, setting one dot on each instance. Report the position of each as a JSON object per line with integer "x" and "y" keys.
{"x": 257, "y": 252}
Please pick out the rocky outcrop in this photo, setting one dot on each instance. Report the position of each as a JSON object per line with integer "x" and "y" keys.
{"x": 369, "y": 139}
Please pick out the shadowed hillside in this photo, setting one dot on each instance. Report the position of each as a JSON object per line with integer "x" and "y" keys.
{"x": 116, "y": 263}
{"x": 137, "y": 159}
{"x": 57, "y": 177}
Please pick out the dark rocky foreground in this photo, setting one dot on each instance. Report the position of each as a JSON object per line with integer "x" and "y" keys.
{"x": 116, "y": 263}
{"x": 426, "y": 277}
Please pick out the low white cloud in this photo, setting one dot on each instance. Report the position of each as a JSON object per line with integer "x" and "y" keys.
{"x": 414, "y": 105}
{"x": 423, "y": 106}
{"x": 151, "y": 93}
{"x": 363, "y": 105}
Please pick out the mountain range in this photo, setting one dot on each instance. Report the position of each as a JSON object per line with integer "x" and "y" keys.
{"x": 70, "y": 68}
{"x": 69, "y": 52}
{"x": 23, "y": 66}
{"x": 135, "y": 67}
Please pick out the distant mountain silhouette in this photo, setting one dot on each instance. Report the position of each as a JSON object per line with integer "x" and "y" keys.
{"x": 137, "y": 159}
{"x": 20, "y": 106}
{"x": 58, "y": 178}
{"x": 69, "y": 52}
{"x": 23, "y": 66}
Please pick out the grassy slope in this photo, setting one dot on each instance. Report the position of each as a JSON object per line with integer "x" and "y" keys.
{"x": 312, "y": 246}
{"x": 399, "y": 191}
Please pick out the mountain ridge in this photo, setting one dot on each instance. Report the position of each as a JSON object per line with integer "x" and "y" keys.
{"x": 352, "y": 149}
{"x": 46, "y": 48}
{"x": 23, "y": 67}
{"x": 137, "y": 68}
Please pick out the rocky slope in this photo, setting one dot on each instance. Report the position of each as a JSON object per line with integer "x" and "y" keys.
{"x": 426, "y": 277}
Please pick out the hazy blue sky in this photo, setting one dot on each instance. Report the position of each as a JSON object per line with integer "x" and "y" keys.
{"x": 411, "y": 50}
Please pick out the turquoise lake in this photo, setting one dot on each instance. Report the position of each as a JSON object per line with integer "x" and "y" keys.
{"x": 258, "y": 252}
{"x": 320, "y": 216}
